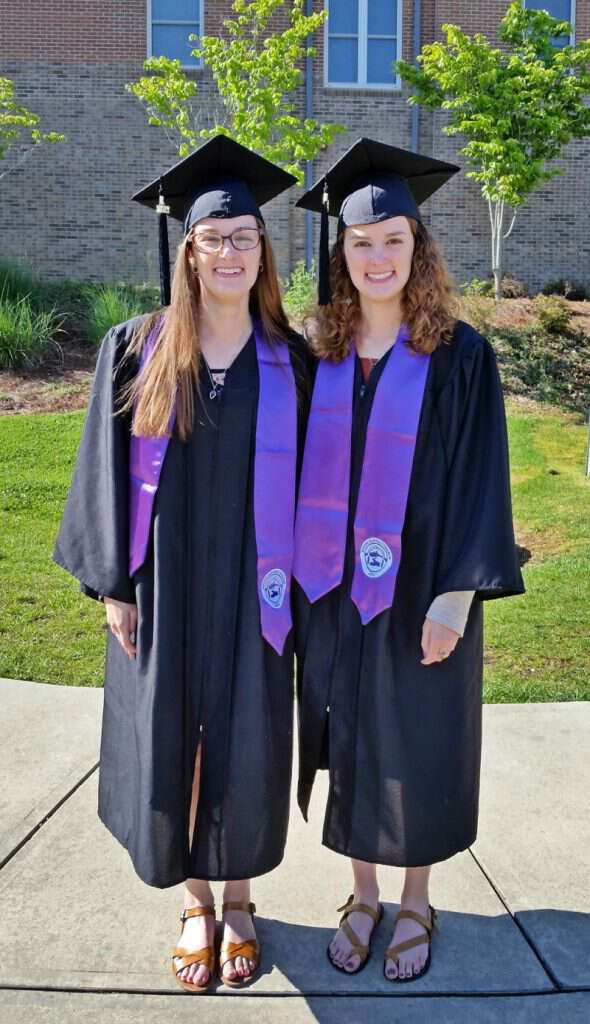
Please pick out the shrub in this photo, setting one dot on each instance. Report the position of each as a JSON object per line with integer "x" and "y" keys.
{"x": 512, "y": 288}
{"x": 19, "y": 282}
{"x": 301, "y": 291}
{"x": 553, "y": 313}
{"x": 83, "y": 307}
{"x": 479, "y": 312}
{"x": 529, "y": 364}
{"x": 477, "y": 286}
{"x": 68, "y": 297}
{"x": 16, "y": 282}
{"x": 25, "y": 334}
{"x": 569, "y": 289}
{"x": 108, "y": 305}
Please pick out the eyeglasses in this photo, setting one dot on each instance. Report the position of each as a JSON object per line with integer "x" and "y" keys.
{"x": 241, "y": 239}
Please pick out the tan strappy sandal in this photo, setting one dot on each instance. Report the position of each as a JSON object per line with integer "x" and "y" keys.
{"x": 204, "y": 956}
{"x": 249, "y": 948}
{"x": 361, "y": 950}
{"x": 394, "y": 951}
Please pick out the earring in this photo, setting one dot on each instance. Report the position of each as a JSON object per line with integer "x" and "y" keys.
{"x": 260, "y": 268}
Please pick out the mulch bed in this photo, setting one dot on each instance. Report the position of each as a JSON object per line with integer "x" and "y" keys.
{"x": 62, "y": 384}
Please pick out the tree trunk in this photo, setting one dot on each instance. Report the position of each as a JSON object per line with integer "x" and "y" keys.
{"x": 497, "y": 222}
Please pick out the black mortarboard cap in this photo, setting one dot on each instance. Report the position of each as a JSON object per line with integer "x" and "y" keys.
{"x": 371, "y": 182}
{"x": 221, "y": 179}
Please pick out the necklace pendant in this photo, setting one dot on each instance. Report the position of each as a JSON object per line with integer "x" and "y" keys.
{"x": 213, "y": 393}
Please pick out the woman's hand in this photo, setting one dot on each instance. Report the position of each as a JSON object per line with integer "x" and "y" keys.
{"x": 122, "y": 622}
{"x": 438, "y": 642}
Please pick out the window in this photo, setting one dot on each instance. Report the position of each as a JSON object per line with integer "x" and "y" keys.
{"x": 170, "y": 22}
{"x": 363, "y": 38}
{"x": 565, "y": 10}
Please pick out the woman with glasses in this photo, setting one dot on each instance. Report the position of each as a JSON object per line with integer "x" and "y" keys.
{"x": 180, "y": 517}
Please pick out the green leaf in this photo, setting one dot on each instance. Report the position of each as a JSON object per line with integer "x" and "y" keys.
{"x": 19, "y": 127}
{"x": 256, "y": 63}
{"x": 516, "y": 107}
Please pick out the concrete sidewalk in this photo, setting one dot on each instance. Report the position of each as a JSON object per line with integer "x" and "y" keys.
{"x": 81, "y": 938}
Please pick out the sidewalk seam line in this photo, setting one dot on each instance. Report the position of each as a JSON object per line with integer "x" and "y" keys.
{"x": 253, "y": 994}
{"x": 542, "y": 961}
{"x": 47, "y": 817}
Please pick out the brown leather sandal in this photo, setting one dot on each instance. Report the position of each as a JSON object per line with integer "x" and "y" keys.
{"x": 204, "y": 956}
{"x": 394, "y": 951}
{"x": 249, "y": 948}
{"x": 361, "y": 950}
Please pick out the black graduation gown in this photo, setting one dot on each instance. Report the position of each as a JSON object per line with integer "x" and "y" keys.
{"x": 202, "y": 663}
{"x": 402, "y": 740}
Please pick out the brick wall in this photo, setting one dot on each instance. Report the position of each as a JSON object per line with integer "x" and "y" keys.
{"x": 73, "y": 31}
{"x": 67, "y": 211}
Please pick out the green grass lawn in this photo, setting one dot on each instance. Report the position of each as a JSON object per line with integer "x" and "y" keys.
{"x": 537, "y": 646}
{"x": 48, "y": 630}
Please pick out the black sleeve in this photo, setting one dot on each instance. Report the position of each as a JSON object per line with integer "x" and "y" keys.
{"x": 478, "y": 551}
{"x": 93, "y": 543}
{"x": 303, "y": 364}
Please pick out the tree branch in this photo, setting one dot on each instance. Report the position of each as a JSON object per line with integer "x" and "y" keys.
{"x": 511, "y": 226}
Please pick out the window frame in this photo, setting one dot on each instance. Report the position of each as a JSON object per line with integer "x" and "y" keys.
{"x": 363, "y": 36}
{"x": 572, "y": 19}
{"x": 198, "y": 66}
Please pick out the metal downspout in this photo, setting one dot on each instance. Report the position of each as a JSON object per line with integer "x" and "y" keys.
{"x": 309, "y": 164}
{"x": 416, "y": 51}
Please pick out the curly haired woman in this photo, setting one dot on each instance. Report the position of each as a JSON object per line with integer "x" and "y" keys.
{"x": 403, "y": 528}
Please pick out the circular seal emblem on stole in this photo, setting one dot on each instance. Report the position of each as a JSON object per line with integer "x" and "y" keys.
{"x": 376, "y": 557}
{"x": 274, "y": 586}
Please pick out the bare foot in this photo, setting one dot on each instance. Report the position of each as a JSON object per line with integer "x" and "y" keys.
{"x": 197, "y": 932}
{"x": 411, "y": 961}
{"x": 237, "y": 927}
{"x": 340, "y": 948}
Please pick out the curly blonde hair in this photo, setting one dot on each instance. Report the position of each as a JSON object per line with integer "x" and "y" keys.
{"x": 429, "y": 302}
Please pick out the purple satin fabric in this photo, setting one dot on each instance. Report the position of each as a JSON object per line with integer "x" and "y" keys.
{"x": 322, "y": 512}
{"x": 322, "y": 508}
{"x": 275, "y": 467}
{"x": 146, "y": 458}
{"x": 275, "y": 470}
{"x": 385, "y": 478}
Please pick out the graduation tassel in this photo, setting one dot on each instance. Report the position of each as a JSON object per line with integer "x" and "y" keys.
{"x": 164, "y": 253}
{"x": 324, "y": 290}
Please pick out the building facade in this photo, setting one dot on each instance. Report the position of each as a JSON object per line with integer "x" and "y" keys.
{"x": 66, "y": 212}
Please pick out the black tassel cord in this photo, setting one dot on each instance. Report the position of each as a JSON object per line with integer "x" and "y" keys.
{"x": 324, "y": 290}
{"x": 164, "y": 253}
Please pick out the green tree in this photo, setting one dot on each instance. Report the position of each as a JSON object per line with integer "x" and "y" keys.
{"x": 166, "y": 93}
{"x": 256, "y": 70}
{"x": 19, "y": 127}
{"x": 518, "y": 106}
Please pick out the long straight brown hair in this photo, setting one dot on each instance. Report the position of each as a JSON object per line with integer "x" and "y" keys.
{"x": 168, "y": 379}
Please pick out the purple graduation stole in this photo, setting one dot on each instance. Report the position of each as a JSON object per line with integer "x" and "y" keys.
{"x": 275, "y": 466}
{"x": 146, "y": 457}
{"x": 322, "y": 511}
